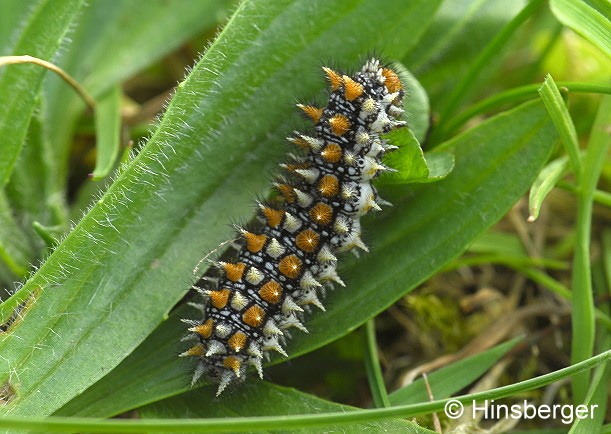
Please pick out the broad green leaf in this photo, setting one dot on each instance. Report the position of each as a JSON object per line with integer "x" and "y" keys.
{"x": 585, "y": 20}
{"x": 451, "y": 379}
{"x": 265, "y": 399}
{"x": 108, "y": 129}
{"x": 427, "y": 227}
{"x": 408, "y": 160}
{"x": 40, "y": 37}
{"x": 113, "y": 279}
{"x": 151, "y": 373}
{"x": 12, "y": 12}
{"x": 440, "y": 165}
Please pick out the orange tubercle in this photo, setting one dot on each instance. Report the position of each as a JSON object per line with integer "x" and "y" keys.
{"x": 194, "y": 351}
{"x": 234, "y": 272}
{"x": 332, "y": 153}
{"x": 314, "y": 113}
{"x": 352, "y": 89}
{"x": 339, "y": 124}
{"x": 219, "y": 298}
{"x": 254, "y": 242}
{"x": 307, "y": 240}
{"x": 232, "y": 363}
{"x": 286, "y": 191}
{"x": 237, "y": 342}
{"x": 205, "y": 329}
{"x": 274, "y": 216}
{"x": 254, "y": 316}
{"x": 334, "y": 78}
{"x": 328, "y": 186}
{"x": 271, "y": 292}
{"x": 321, "y": 214}
{"x": 392, "y": 82}
{"x": 290, "y": 266}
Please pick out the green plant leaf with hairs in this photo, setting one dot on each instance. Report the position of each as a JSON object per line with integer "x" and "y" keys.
{"x": 130, "y": 259}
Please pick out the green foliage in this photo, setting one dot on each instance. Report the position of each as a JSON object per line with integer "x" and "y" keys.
{"x": 95, "y": 330}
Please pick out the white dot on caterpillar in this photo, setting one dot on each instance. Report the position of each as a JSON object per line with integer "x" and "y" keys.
{"x": 362, "y": 137}
{"x": 291, "y": 223}
{"x": 303, "y": 199}
{"x": 238, "y": 301}
{"x": 274, "y": 248}
{"x": 254, "y": 276}
{"x": 369, "y": 106}
{"x": 349, "y": 158}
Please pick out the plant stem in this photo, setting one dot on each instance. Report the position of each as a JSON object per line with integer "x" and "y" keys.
{"x": 583, "y": 304}
{"x": 14, "y": 60}
{"x": 374, "y": 373}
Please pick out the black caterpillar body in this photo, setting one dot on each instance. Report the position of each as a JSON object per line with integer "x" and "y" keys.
{"x": 282, "y": 267}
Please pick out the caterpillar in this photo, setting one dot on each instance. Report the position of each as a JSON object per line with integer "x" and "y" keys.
{"x": 287, "y": 259}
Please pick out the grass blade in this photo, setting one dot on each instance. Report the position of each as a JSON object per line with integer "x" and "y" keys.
{"x": 372, "y": 365}
{"x": 562, "y": 119}
{"x": 545, "y": 182}
{"x": 108, "y": 128}
{"x": 581, "y": 282}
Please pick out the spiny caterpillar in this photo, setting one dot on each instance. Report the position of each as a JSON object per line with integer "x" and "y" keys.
{"x": 284, "y": 263}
